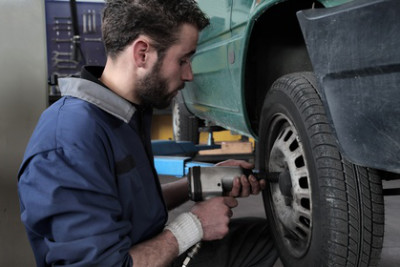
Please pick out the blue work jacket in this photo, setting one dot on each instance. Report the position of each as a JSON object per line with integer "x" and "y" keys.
{"x": 87, "y": 184}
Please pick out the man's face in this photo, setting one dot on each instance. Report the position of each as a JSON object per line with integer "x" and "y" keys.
{"x": 169, "y": 75}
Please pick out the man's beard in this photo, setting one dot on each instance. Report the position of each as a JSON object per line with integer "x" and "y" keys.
{"x": 153, "y": 90}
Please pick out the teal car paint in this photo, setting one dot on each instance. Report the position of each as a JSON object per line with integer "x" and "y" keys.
{"x": 217, "y": 93}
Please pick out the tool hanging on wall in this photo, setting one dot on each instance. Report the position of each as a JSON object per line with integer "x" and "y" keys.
{"x": 77, "y": 54}
{"x": 89, "y": 21}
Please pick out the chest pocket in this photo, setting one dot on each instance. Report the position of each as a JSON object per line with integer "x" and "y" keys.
{"x": 124, "y": 165}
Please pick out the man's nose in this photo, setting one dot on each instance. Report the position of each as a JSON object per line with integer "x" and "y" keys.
{"x": 187, "y": 74}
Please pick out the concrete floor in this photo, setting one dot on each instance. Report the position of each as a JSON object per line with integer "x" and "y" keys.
{"x": 15, "y": 250}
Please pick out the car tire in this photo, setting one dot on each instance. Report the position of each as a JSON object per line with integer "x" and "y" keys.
{"x": 185, "y": 126}
{"x": 322, "y": 210}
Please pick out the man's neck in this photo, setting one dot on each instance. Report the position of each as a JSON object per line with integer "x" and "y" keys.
{"x": 119, "y": 78}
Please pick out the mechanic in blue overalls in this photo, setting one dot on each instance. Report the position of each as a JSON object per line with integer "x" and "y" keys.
{"x": 89, "y": 193}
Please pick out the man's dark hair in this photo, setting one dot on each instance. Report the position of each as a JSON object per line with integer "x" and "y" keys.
{"x": 124, "y": 20}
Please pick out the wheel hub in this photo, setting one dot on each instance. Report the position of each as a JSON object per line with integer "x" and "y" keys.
{"x": 285, "y": 185}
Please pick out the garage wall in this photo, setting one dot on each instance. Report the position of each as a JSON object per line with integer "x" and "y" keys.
{"x": 22, "y": 99}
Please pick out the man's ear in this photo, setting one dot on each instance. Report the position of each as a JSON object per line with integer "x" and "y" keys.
{"x": 141, "y": 51}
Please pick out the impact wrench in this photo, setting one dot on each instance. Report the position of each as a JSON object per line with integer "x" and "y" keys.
{"x": 207, "y": 182}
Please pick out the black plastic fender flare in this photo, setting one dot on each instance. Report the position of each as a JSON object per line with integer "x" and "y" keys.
{"x": 355, "y": 52}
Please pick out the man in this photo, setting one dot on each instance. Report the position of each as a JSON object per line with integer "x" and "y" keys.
{"x": 88, "y": 189}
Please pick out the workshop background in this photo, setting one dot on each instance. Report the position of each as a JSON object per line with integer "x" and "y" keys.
{"x": 24, "y": 95}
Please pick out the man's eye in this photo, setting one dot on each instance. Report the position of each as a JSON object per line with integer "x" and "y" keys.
{"x": 184, "y": 61}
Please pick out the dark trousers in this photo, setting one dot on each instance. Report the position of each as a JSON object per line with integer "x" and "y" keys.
{"x": 248, "y": 244}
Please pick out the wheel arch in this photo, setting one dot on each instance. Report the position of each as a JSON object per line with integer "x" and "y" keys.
{"x": 275, "y": 47}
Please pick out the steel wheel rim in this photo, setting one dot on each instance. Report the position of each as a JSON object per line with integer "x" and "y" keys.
{"x": 292, "y": 216}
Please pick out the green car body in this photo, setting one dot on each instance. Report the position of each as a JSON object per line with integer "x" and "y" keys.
{"x": 220, "y": 92}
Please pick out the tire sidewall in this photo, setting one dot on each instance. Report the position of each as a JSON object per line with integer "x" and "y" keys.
{"x": 184, "y": 124}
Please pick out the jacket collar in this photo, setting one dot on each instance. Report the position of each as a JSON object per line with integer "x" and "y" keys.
{"x": 98, "y": 95}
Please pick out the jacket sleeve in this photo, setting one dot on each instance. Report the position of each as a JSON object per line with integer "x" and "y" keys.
{"x": 69, "y": 199}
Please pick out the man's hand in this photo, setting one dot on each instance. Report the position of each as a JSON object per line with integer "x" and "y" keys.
{"x": 243, "y": 186}
{"x": 214, "y": 215}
